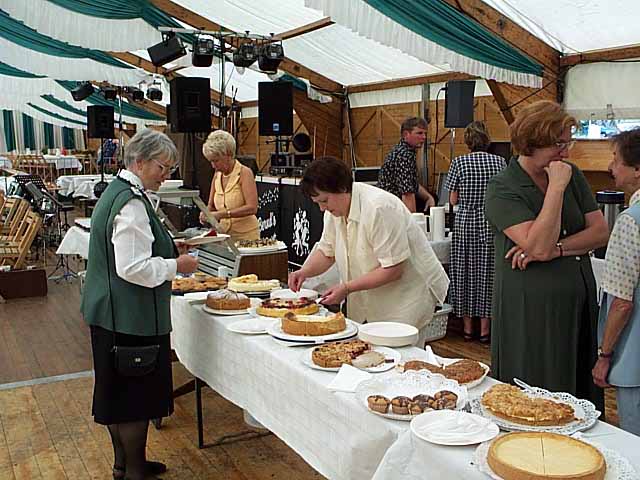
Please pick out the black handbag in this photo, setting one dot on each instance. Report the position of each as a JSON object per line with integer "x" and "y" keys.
{"x": 131, "y": 361}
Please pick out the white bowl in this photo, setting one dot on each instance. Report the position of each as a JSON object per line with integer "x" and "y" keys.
{"x": 287, "y": 293}
{"x": 388, "y": 334}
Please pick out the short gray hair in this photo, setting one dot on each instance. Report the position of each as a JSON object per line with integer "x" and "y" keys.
{"x": 149, "y": 144}
{"x": 219, "y": 144}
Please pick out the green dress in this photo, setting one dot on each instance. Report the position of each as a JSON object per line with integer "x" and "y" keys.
{"x": 545, "y": 317}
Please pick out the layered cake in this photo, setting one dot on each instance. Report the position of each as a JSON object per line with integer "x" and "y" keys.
{"x": 227, "y": 300}
{"x": 251, "y": 283}
{"x": 313, "y": 325}
{"x": 277, "y": 307}
{"x": 543, "y": 456}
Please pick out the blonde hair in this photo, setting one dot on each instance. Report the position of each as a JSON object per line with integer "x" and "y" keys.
{"x": 219, "y": 144}
{"x": 539, "y": 125}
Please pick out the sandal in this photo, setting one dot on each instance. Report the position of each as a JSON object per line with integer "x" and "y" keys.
{"x": 485, "y": 339}
{"x": 468, "y": 337}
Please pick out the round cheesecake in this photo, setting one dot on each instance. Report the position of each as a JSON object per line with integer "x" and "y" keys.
{"x": 251, "y": 283}
{"x": 227, "y": 300}
{"x": 313, "y": 325}
{"x": 544, "y": 456}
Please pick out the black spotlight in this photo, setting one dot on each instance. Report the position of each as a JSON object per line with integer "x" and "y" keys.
{"x": 82, "y": 91}
{"x": 203, "y": 51}
{"x": 166, "y": 51}
{"x": 137, "y": 95}
{"x": 245, "y": 55}
{"x": 154, "y": 93}
{"x": 109, "y": 93}
{"x": 270, "y": 57}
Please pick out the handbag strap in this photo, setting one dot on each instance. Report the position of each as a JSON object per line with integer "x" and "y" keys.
{"x": 106, "y": 247}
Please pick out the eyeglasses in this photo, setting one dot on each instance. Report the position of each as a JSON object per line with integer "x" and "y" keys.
{"x": 565, "y": 145}
{"x": 166, "y": 168}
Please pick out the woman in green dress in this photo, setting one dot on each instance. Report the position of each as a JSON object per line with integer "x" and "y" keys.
{"x": 545, "y": 222}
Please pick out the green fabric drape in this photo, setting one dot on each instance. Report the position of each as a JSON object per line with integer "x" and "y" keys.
{"x": 127, "y": 108}
{"x": 68, "y": 139}
{"x": 49, "y": 140}
{"x": 55, "y": 115}
{"x": 17, "y": 32}
{"x": 10, "y": 71}
{"x": 62, "y": 104}
{"x": 440, "y": 23}
{"x": 9, "y": 131}
{"x": 123, "y": 10}
{"x": 297, "y": 83}
{"x": 27, "y": 131}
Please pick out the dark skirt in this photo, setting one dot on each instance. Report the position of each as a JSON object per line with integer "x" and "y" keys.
{"x": 120, "y": 399}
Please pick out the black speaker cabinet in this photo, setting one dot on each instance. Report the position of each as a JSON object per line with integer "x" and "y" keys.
{"x": 100, "y": 121}
{"x": 275, "y": 108}
{"x": 190, "y": 109}
{"x": 458, "y": 104}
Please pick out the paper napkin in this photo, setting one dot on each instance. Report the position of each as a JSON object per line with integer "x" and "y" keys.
{"x": 347, "y": 379}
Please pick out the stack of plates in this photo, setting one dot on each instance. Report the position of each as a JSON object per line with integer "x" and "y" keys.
{"x": 389, "y": 334}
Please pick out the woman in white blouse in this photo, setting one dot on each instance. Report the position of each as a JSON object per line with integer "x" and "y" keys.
{"x": 387, "y": 268}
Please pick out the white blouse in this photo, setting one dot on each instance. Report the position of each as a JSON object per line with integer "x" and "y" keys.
{"x": 132, "y": 242}
{"x": 379, "y": 231}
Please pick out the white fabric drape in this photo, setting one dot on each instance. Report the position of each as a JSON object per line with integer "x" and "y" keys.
{"x": 370, "y": 23}
{"x": 79, "y": 137}
{"x": 63, "y": 68}
{"x": 3, "y": 141}
{"x": 19, "y": 106}
{"x": 78, "y": 29}
{"x": 602, "y": 90}
{"x": 38, "y": 131}
{"x": 18, "y": 129}
{"x": 57, "y": 136}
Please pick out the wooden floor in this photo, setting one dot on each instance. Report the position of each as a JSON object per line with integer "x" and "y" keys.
{"x": 47, "y": 432}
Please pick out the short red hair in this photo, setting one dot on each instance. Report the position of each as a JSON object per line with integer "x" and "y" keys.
{"x": 539, "y": 125}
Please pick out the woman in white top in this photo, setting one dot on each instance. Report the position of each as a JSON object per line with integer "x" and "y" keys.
{"x": 386, "y": 265}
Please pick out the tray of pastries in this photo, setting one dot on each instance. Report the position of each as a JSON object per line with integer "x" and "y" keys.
{"x": 466, "y": 372}
{"x": 198, "y": 282}
{"x": 362, "y": 355}
{"x": 401, "y": 397}
{"x": 260, "y": 245}
{"x": 535, "y": 409}
{"x": 251, "y": 284}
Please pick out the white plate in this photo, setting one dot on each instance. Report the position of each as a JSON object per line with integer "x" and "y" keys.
{"x": 270, "y": 248}
{"x": 323, "y": 312}
{"x": 584, "y": 411}
{"x": 452, "y": 427}
{"x": 408, "y": 384}
{"x": 221, "y": 237}
{"x": 224, "y": 313}
{"x": 618, "y": 467}
{"x": 388, "y": 334}
{"x": 275, "y": 330}
{"x": 289, "y": 294}
{"x": 383, "y": 367}
{"x": 250, "y": 326}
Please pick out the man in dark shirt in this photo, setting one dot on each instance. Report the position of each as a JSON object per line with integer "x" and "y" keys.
{"x": 399, "y": 173}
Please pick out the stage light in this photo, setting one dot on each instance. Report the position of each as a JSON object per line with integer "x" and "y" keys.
{"x": 203, "y": 51}
{"x": 109, "y": 93}
{"x": 270, "y": 57}
{"x": 245, "y": 55}
{"x": 166, "y": 51}
{"x": 154, "y": 93}
{"x": 137, "y": 95}
{"x": 82, "y": 91}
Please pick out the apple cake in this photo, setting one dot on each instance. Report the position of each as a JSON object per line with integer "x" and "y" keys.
{"x": 250, "y": 283}
{"x": 227, "y": 300}
{"x": 463, "y": 371}
{"x": 313, "y": 325}
{"x": 334, "y": 355}
{"x": 277, "y": 307}
{"x": 511, "y": 403}
{"x": 542, "y": 456}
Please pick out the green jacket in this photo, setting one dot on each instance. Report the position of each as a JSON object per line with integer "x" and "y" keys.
{"x": 134, "y": 307}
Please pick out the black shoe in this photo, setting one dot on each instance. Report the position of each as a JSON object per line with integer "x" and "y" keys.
{"x": 154, "y": 468}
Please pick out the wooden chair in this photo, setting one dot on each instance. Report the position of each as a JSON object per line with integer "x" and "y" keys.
{"x": 12, "y": 215}
{"x": 15, "y": 253}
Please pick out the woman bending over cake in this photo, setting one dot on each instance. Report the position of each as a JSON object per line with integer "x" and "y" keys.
{"x": 387, "y": 267}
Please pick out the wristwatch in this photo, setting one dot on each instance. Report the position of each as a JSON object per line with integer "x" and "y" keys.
{"x": 602, "y": 354}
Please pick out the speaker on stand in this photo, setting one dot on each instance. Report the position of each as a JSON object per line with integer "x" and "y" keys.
{"x": 275, "y": 119}
{"x": 100, "y": 125}
{"x": 458, "y": 106}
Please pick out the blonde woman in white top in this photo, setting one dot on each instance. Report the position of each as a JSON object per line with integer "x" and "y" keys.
{"x": 387, "y": 267}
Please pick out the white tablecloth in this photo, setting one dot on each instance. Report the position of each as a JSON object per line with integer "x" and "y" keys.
{"x": 5, "y": 162}
{"x": 442, "y": 249}
{"x": 336, "y": 435}
{"x": 410, "y": 458}
{"x": 75, "y": 242}
{"x": 79, "y": 185}
{"x": 63, "y": 162}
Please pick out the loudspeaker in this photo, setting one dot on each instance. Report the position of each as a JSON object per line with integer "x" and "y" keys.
{"x": 190, "y": 109}
{"x": 100, "y": 121}
{"x": 458, "y": 104}
{"x": 275, "y": 108}
{"x": 166, "y": 51}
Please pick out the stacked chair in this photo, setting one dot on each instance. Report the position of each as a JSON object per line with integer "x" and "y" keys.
{"x": 19, "y": 226}
{"x": 36, "y": 165}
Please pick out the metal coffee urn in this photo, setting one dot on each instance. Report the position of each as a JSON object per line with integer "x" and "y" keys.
{"x": 611, "y": 202}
